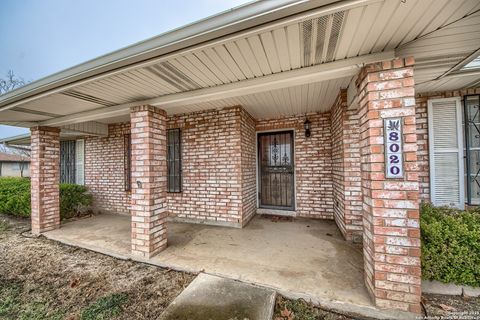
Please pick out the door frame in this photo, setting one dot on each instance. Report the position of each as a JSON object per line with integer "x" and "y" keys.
{"x": 276, "y": 210}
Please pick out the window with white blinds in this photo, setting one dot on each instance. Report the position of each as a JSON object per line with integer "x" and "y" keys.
{"x": 446, "y": 152}
{"x": 80, "y": 162}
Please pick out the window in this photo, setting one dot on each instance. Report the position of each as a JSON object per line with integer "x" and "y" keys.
{"x": 472, "y": 148}
{"x": 127, "y": 161}
{"x": 446, "y": 152}
{"x": 67, "y": 161}
{"x": 72, "y": 161}
{"x": 80, "y": 162}
{"x": 174, "y": 161}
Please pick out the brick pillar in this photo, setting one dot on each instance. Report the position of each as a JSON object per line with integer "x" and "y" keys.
{"x": 149, "y": 181}
{"x": 347, "y": 190}
{"x": 45, "y": 177}
{"x": 391, "y": 243}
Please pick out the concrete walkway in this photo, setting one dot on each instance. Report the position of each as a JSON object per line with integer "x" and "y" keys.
{"x": 213, "y": 298}
{"x": 302, "y": 259}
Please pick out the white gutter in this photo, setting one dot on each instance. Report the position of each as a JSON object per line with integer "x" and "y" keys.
{"x": 11, "y": 139}
{"x": 228, "y": 22}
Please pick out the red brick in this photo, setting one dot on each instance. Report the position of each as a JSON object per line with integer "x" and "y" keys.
{"x": 390, "y": 199}
{"x": 219, "y": 149}
{"x": 149, "y": 171}
{"x": 45, "y": 178}
{"x": 313, "y": 163}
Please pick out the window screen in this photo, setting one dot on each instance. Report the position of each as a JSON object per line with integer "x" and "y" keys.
{"x": 67, "y": 161}
{"x": 174, "y": 161}
{"x": 127, "y": 161}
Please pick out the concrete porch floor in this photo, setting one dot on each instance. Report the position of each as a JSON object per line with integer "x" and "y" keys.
{"x": 300, "y": 259}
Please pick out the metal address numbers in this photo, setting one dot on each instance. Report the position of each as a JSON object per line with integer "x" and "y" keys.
{"x": 394, "y": 146}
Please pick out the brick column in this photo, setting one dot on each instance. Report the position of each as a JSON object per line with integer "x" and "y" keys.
{"x": 149, "y": 181}
{"x": 45, "y": 177}
{"x": 391, "y": 243}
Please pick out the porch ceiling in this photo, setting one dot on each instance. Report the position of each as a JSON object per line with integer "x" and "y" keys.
{"x": 301, "y": 99}
{"x": 441, "y": 34}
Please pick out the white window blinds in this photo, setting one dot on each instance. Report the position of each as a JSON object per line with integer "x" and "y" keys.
{"x": 446, "y": 152}
{"x": 80, "y": 162}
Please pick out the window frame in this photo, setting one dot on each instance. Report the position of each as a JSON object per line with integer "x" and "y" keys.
{"x": 67, "y": 165}
{"x": 178, "y": 131}
{"x": 127, "y": 162}
{"x": 434, "y": 151}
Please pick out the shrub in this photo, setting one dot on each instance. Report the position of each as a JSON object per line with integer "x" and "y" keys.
{"x": 450, "y": 245}
{"x": 15, "y": 198}
{"x": 73, "y": 199}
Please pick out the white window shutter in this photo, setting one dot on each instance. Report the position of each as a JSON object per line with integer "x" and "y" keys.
{"x": 446, "y": 152}
{"x": 80, "y": 162}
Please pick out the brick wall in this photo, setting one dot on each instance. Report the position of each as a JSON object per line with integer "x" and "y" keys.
{"x": 422, "y": 134}
{"x": 212, "y": 149}
{"x": 313, "y": 163}
{"x": 347, "y": 193}
{"x": 104, "y": 170}
{"x": 248, "y": 165}
{"x": 391, "y": 240}
{"x": 219, "y": 167}
{"x": 45, "y": 177}
{"x": 338, "y": 165}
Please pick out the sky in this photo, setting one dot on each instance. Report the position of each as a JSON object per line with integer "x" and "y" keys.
{"x": 40, "y": 37}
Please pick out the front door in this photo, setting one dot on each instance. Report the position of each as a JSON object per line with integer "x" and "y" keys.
{"x": 275, "y": 161}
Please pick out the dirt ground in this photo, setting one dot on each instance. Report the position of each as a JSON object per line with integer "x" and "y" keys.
{"x": 436, "y": 307}
{"x": 43, "y": 279}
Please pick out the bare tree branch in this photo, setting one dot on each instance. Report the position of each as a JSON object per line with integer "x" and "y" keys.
{"x": 22, "y": 151}
{"x": 10, "y": 82}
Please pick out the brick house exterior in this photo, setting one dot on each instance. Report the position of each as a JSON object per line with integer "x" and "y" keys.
{"x": 287, "y": 114}
{"x": 338, "y": 171}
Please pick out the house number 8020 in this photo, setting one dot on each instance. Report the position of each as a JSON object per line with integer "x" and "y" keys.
{"x": 393, "y": 147}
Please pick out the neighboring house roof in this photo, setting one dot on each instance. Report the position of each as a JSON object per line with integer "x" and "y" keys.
{"x": 275, "y": 58}
{"x": 7, "y": 157}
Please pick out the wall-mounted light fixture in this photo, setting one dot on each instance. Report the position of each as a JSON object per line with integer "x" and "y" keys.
{"x": 307, "y": 125}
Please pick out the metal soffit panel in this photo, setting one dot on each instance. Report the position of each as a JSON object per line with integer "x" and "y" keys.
{"x": 303, "y": 99}
{"x": 299, "y": 45}
{"x": 422, "y": 28}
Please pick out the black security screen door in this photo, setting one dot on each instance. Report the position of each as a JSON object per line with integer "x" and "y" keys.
{"x": 275, "y": 157}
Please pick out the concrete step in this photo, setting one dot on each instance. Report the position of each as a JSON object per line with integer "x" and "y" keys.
{"x": 214, "y": 298}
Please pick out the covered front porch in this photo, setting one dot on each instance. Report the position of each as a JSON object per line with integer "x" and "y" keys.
{"x": 174, "y": 132}
{"x": 206, "y": 167}
{"x": 301, "y": 258}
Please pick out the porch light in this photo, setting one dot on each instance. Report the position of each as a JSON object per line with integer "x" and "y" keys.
{"x": 307, "y": 125}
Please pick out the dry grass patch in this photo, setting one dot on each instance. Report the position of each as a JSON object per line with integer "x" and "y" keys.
{"x": 42, "y": 279}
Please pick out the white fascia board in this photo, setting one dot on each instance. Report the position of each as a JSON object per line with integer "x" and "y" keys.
{"x": 457, "y": 69}
{"x": 256, "y": 16}
{"x": 13, "y": 139}
{"x": 322, "y": 72}
{"x": 463, "y": 73}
